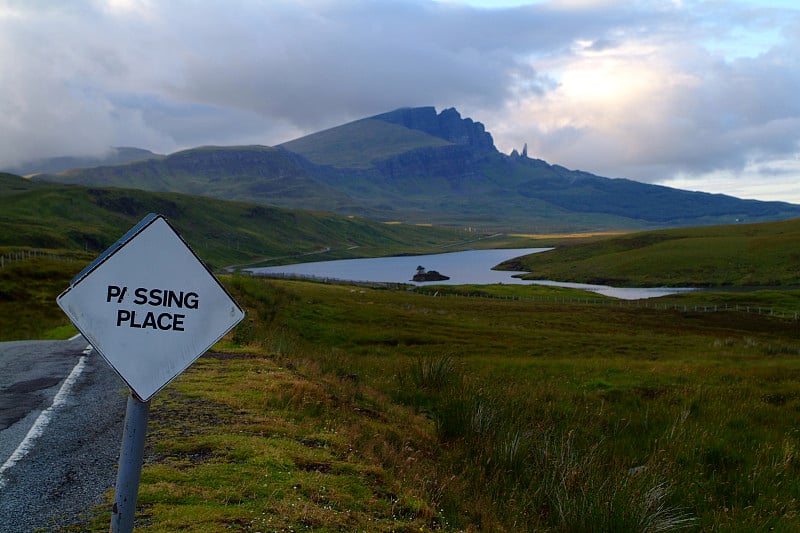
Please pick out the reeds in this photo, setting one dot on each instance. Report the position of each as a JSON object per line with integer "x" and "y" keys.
{"x": 517, "y": 461}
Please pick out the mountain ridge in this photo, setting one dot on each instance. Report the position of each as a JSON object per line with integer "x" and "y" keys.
{"x": 419, "y": 166}
{"x": 116, "y": 155}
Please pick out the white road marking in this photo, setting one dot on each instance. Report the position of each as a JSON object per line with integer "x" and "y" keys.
{"x": 44, "y": 417}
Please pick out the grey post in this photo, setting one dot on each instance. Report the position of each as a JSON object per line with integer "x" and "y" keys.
{"x": 130, "y": 465}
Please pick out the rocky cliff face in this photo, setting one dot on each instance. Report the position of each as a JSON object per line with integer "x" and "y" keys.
{"x": 447, "y": 125}
{"x": 456, "y": 164}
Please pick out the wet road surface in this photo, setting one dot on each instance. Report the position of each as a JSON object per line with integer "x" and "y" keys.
{"x": 61, "y": 416}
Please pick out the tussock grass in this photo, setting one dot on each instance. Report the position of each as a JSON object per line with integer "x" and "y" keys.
{"x": 533, "y": 475}
{"x": 432, "y": 372}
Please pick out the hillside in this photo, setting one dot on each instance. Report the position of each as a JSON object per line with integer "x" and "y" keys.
{"x": 248, "y": 173}
{"x": 41, "y": 215}
{"x": 751, "y": 255}
{"x": 346, "y": 146}
{"x": 417, "y": 166}
{"x": 11, "y": 184}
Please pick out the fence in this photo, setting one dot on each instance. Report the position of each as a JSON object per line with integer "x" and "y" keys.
{"x": 338, "y": 281}
{"x": 643, "y": 304}
{"x": 15, "y": 256}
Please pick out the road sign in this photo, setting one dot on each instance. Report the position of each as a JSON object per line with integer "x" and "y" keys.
{"x": 149, "y": 306}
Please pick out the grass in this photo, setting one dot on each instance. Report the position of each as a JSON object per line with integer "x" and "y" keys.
{"x": 244, "y": 443}
{"x": 763, "y": 254}
{"x": 339, "y": 407}
{"x": 28, "y": 291}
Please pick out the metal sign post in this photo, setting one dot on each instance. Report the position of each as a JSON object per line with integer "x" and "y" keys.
{"x": 150, "y": 308}
{"x": 131, "y": 456}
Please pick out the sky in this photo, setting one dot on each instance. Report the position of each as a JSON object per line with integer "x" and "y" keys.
{"x": 699, "y": 95}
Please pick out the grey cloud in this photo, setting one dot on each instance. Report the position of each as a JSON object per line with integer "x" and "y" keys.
{"x": 742, "y": 112}
{"x": 330, "y": 62}
{"x": 314, "y": 67}
{"x": 298, "y": 66}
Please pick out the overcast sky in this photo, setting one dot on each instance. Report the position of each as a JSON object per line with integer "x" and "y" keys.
{"x": 697, "y": 95}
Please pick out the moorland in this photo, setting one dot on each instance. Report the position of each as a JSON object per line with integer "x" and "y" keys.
{"x": 353, "y": 407}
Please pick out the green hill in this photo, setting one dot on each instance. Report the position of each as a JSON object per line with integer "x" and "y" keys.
{"x": 11, "y": 184}
{"x": 257, "y": 174}
{"x": 754, "y": 255}
{"x": 39, "y": 215}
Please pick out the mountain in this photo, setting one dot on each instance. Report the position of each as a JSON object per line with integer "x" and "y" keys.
{"x": 247, "y": 173}
{"x": 51, "y": 165}
{"x": 420, "y": 166}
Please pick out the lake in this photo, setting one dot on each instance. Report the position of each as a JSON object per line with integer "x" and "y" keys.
{"x": 472, "y": 267}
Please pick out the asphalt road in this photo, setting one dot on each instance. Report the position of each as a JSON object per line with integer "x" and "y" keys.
{"x": 54, "y": 473}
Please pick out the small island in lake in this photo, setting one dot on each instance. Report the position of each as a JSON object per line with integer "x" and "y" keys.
{"x": 432, "y": 275}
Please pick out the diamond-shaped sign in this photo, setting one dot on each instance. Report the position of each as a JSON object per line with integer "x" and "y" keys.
{"x": 149, "y": 306}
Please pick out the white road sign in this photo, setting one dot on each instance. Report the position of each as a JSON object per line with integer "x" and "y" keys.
{"x": 149, "y": 306}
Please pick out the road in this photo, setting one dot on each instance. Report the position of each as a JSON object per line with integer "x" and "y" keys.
{"x": 61, "y": 415}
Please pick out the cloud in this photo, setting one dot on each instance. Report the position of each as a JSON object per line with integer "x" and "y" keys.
{"x": 650, "y": 107}
{"x": 316, "y": 67}
{"x": 77, "y": 68}
{"x": 649, "y": 90}
{"x": 56, "y": 71}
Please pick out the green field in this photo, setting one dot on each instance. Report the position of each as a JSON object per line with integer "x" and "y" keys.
{"x": 349, "y": 408}
{"x": 766, "y": 254}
